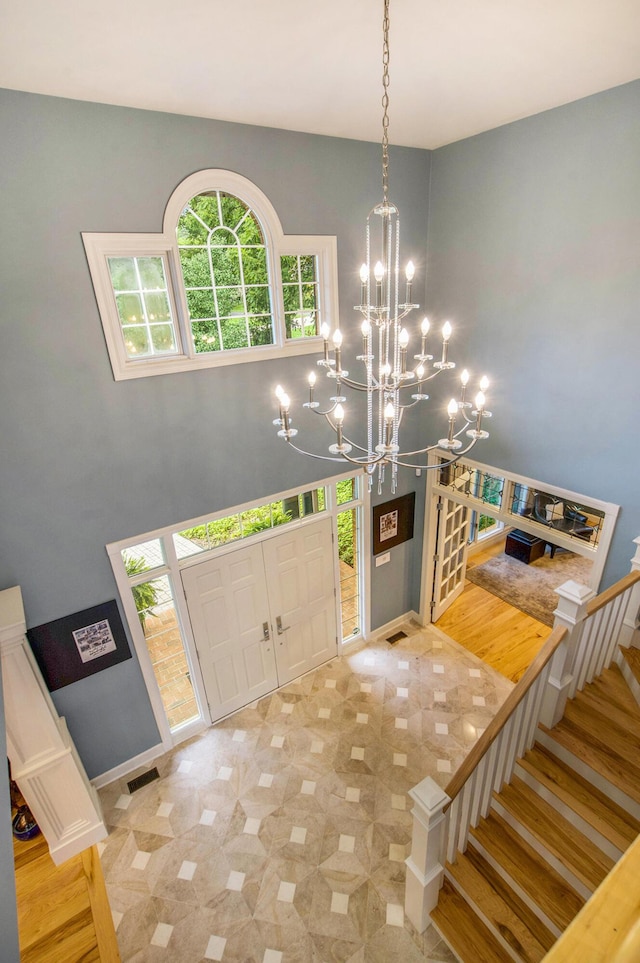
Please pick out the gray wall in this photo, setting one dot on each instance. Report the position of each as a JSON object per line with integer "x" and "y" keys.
{"x": 533, "y": 252}
{"x": 534, "y": 247}
{"x": 87, "y": 460}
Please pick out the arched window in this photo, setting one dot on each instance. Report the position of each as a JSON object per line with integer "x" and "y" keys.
{"x": 223, "y": 257}
{"x": 221, "y": 285}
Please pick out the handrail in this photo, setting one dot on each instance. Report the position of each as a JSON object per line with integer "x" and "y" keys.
{"x": 508, "y": 707}
{"x": 612, "y": 593}
{"x": 607, "y": 927}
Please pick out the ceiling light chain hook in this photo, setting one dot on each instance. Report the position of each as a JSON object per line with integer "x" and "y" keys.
{"x": 385, "y": 105}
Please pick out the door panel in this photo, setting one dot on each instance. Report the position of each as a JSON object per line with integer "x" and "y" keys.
{"x": 299, "y": 566}
{"x": 228, "y": 606}
{"x": 289, "y": 577}
{"x": 451, "y": 555}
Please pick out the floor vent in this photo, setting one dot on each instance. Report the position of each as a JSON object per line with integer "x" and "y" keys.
{"x": 396, "y": 637}
{"x": 143, "y": 780}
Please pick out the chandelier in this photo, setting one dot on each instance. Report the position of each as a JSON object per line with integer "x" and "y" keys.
{"x": 391, "y": 383}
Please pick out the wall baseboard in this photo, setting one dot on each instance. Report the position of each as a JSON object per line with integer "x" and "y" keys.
{"x": 384, "y": 630}
{"x": 126, "y": 768}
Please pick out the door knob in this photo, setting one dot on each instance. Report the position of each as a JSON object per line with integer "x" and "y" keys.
{"x": 265, "y": 631}
{"x": 280, "y": 627}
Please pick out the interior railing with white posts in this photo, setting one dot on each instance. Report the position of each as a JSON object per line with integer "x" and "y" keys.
{"x": 584, "y": 641}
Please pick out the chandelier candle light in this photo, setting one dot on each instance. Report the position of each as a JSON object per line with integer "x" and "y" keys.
{"x": 390, "y": 383}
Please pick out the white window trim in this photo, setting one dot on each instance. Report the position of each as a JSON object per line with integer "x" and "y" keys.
{"x": 99, "y": 247}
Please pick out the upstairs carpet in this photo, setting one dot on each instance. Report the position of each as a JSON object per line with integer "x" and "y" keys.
{"x": 530, "y": 588}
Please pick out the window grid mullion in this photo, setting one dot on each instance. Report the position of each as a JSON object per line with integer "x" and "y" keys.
{"x": 180, "y": 338}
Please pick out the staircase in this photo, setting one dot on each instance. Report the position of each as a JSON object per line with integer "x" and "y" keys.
{"x": 553, "y": 833}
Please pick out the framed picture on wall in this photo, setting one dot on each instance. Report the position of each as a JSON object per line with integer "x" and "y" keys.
{"x": 393, "y": 522}
{"x": 79, "y": 645}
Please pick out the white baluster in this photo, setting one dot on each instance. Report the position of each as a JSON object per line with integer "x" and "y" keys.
{"x": 630, "y": 632}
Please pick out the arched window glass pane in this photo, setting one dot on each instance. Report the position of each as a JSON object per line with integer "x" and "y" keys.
{"x": 225, "y": 271}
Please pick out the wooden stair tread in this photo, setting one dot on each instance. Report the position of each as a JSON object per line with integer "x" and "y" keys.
{"x": 631, "y": 656}
{"x": 598, "y": 755}
{"x": 600, "y": 728}
{"x": 587, "y": 801}
{"x": 506, "y": 913}
{"x": 600, "y": 699}
{"x": 613, "y": 682}
{"x": 465, "y": 932}
{"x": 557, "y": 900}
{"x": 578, "y": 853}
{"x": 611, "y": 698}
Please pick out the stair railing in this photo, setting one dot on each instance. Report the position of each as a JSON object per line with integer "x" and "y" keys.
{"x": 583, "y": 642}
{"x": 442, "y": 818}
{"x": 597, "y": 626}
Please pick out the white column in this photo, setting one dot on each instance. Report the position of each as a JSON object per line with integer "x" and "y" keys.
{"x": 570, "y": 613}
{"x": 425, "y": 865}
{"x": 44, "y": 761}
{"x": 630, "y": 631}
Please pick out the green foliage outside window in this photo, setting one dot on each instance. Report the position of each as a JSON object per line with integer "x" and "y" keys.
{"x": 346, "y": 492}
{"x": 224, "y": 266}
{"x": 300, "y": 295}
{"x": 145, "y": 595}
{"x": 484, "y": 522}
{"x": 223, "y": 530}
{"x": 346, "y": 537}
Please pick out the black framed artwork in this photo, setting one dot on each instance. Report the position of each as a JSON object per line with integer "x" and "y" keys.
{"x": 78, "y": 645}
{"x": 393, "y": 522}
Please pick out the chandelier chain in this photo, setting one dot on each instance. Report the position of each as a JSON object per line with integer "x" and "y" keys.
{"x": 385, "y": 105}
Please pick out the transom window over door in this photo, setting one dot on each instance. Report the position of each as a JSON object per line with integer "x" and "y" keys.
{"x": 221, "y": 285}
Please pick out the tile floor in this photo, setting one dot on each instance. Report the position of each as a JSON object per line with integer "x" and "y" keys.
{"x": 280, "y": 834}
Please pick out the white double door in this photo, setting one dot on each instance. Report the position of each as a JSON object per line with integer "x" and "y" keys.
{"x": 263, "y": 615}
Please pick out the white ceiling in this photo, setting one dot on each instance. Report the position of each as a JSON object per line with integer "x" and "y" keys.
{"x": 458, "y": 67}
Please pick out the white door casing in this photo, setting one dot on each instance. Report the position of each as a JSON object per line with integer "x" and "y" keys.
{"x": 229, "y": 608}
{"x": 302, "y": 598}
{"x": 451, "y": 555}
{"x": 263, "y": 615}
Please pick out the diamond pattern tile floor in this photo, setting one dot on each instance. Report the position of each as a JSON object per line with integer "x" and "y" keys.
{"x": 279, "y": 835}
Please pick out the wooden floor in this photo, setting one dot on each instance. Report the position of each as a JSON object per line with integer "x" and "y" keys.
{"x": 499, "y": 634}
{"x": 63, "y": 911}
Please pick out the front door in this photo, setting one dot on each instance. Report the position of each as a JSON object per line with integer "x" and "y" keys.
{"x": 302, "y": 598}
{"x": 263, "y": 615}
{"x": 229, "y": 610}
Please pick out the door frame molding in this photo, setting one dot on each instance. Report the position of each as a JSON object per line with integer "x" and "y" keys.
{"x": 174, "y": 566}
{"x": 597, "y": 555}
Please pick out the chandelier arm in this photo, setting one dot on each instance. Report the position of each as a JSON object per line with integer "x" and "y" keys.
{"x": 424, "y": 451}
{"x": 312, "y": 454}
{"x": 370, "y": 460}
{"x": 358, "y": 385}
{"x": 327, "y": 412}
{"x": 430, "y": 377}
{"x": 411, "y": 404}
{"x": 360, "y": 448}
{"x": 452, "y": 461}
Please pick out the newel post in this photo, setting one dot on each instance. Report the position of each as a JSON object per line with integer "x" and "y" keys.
{"x": 425, "y": 865}
{"x": 630, "y": 629}
{"x": 570, "y": 613}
